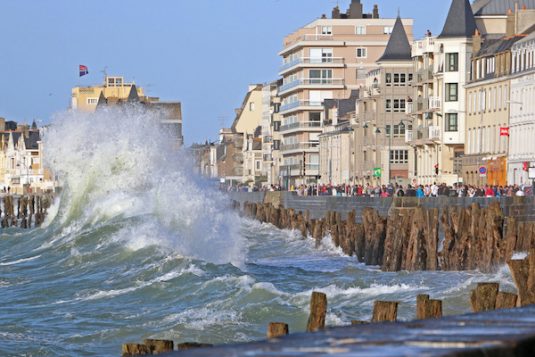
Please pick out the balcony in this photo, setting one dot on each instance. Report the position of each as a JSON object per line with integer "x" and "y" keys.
{"x": 409, "y": 134}
{"x": 300, "y": 147}
{"x": 311, "y": 83}
{"x": 312, "y": 39}
{"x": 424, "y": 135}
{"x": 434, "y": 133}
{"x": 435, "y": 103}
{"x": 301, "y": 125}
{"x": 426, "y": 45}
{"x": 422, "y": 104}
{"x": 330, "y": 62}
{"x": 300, "y": 105}
{"x": 409, "y": 108}
{"x": 424, "y": 75}
{"x": 297, "y": 170}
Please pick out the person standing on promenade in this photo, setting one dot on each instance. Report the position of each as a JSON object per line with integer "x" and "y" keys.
{"x": 434, "y": 190}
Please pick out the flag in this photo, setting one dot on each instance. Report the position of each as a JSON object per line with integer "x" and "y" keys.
{"x": 83, "y": 70}
{"x": 504, "y": 131}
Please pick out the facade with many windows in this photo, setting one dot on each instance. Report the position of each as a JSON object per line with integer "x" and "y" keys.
{"x": 325, "y": 59}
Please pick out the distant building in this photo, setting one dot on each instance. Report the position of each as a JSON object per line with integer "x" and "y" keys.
{"x": 116, "y": 91}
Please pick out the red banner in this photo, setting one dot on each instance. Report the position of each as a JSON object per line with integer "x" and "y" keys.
{"x": 504, "y": 131}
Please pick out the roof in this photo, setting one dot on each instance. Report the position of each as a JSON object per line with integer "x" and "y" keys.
{"x": 460, "y": 21}
{"x": 491, "y": 47}
{"x": 32, "y": 139}
{"x": 344, "y": 105}
{"x": 133, "y": 97}
{"x": 499, "y": 7}
{"x": 398, "y": 47}
{"x": 528, "y": 38}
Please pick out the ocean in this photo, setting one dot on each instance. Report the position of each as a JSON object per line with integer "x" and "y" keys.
{"x": 137, "y": 246}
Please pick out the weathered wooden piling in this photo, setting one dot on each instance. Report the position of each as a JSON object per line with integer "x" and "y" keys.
{"x": 427, "y": 308}
{"x": 385, "y": 311}
{"x": 483, "y": 297}
{"x": 318, "y": 312}
{"x": 134, "y": 349}
{"x": 523, "y": 272}
{"x": 506, "y": 300}
{"x": 159, "y": 346}
{"x": 277, "y": 329}
{"x": 191, "y": 345}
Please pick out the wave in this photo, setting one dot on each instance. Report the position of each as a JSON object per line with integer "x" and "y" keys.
{"x": 117, "y": 167}
{"x": 19, "y": 261}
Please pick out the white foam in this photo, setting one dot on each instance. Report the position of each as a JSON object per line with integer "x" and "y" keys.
{"x": 19, "y": 261}
{"x": 117, "y": 164}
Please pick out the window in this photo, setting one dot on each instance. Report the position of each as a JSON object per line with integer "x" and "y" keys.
{"x": 452, "y": 92}
{"x": 92, "y": 101}
{"x": 451, "y": 122}
{"x": 321, "y": 55}
{"x": 387, "y": 30}
{"x": 320, "y": 76}
{"x": 399, "y": 156}
{"x": 314, "y": 117}
{"x": 452, "y": 62}
{"x": 326, "y": 30}
{"x": 388, "y": 105}
{"x": 276, "y": 125}
{"x": 362, "y": 52}
{"x": 276, "y": 144}
{"x": 388, "y": 78}
{"x": 398, "y": 130}
{"x": 251, "y": 106}
{"x": 360, "y": 30}
{"x": 396, "y": 105}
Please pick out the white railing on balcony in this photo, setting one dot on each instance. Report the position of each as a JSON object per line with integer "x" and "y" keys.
{"x": 312, "y": 60}
{"x": 309, "y": 37}
{"x": 434, "y": 132}
{"x": 434, "y": 103}
{"x": 408, "y": 136}
{"x": 409, "y": 108}
{"x": 300, "y": 146}
{"x": 300, "y": 103}
{"x": 311, "y": 82}
{"x": 301, "y": 125}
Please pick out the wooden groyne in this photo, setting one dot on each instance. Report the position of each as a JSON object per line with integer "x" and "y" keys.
{"x": 412, "y": 238}
{"x": 498, "y": 328}
{"x": 26, "y": 211}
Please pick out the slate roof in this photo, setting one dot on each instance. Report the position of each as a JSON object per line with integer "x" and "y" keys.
{"x": 398, "y": 47}
{"x": 32, "y": 139}
{"x": 528, "y": 38}
{"x": 133, "y": 97}
{"x": 460, "y": 21}
{"x": 344, "y": 105}
{"x": 499, "y": 7}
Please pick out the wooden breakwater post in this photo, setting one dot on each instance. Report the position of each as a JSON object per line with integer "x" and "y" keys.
{"x": 159, "y": 346}
{"x": 427, "y": 308}
{"x": 277, "y": 329}
{"x": 318, "y": 312}
{"x": 385, "y": 311}
{"x": 523, "y": 272}
{"x": 134, "y": 349}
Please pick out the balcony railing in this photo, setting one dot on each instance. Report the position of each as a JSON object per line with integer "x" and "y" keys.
{"x": 409, "y": 136}
{"x": 409, "y": 108}
{"x": 301, "y": 125}
{"x": 300, "y": 146}
{"x": 434, "y": 132}
{"x": 311, "y": 82}
{"x": 311, "y": 60}
{"x": 435, "y": 103}
{"x": 310, "y": 37}
{"x": 300, "y": 103}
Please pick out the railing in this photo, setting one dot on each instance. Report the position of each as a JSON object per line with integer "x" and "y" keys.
{"x": 408, "y": 136}
{"x": 422, "y": 104}
{"x": 311, "y": 82}
{"x": 296, "y": 125}
{"x": 434, "y": 132}
{"x": 435, "y": 103}
{"x": 427, "y": 44}
{"x": 311, "y": 60}
{"x": 409, "y": 108}
{"x": 299, "y": 103}
{"x": 300, "y": 146}
{"x": 310, "y": 37}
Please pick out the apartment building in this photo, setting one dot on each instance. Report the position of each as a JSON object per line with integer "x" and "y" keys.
{"x": 382, "y": 155}
{"x": 271, "y": 138}
{"x": 116, "y": 91}
{"x": 521, "y": 155}
{"x": 325, "y": 59}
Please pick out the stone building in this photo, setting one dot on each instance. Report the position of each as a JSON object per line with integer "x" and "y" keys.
{"x": 325, "y": 59}
{"x": 271, "y": 137}
{"x": 382, "y": 155}
{"x": 115, "y": 91}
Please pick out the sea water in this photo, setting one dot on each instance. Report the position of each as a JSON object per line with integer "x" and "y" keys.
{"x": 136, "y": 246}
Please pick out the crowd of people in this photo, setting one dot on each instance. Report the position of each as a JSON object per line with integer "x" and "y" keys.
{"x": 396, "y": 190}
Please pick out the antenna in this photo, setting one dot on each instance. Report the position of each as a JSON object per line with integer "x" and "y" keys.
{"x": 104, "y": 72}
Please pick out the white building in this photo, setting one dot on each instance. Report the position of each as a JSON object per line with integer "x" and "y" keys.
{"x": 522, "y": 111}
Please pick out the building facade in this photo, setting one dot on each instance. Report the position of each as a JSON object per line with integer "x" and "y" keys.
{"x": 325, "y": 59}
{"x": 115, "y": 91}
{"x": 521, "y": 154}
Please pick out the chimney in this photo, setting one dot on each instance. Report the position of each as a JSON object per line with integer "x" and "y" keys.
{"x": 336, "y": 12}
{"x": 476, "y": 42}
{"x": 355, "y": 10}
{"x": 375, "y": 11}
{"x": 510, "y": 24}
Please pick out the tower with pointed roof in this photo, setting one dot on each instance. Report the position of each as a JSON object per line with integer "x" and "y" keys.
{"x": 382, "y": 116}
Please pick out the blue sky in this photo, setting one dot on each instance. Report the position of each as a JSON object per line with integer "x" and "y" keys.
{"x": 202, "y": 52}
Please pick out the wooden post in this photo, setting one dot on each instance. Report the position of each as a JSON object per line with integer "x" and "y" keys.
{"x": 523, "y": 272}
{"x": 277, "y": 329}
{"x": 318, "y": 311}
{"x": 484, "y": 296}
{"x": 427, "y": 308}
{"x": 385, "y": 311}
{"x": 159, "y": 346}
{"x": 506, "y": 300}
{"x": 134, "y": 349}
{"x": 358, "y": 322}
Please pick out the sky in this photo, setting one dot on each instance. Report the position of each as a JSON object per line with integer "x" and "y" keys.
{"x": 203, "y": 53}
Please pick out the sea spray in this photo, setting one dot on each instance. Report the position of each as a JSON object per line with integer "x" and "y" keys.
{"x": 119, "y": 164}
